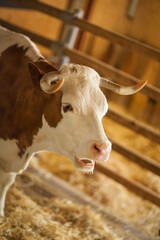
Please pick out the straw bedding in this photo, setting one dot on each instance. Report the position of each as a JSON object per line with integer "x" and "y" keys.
{"x": 50, "y": 219}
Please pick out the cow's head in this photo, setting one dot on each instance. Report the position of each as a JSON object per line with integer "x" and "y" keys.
{"x": 79, "y": 135}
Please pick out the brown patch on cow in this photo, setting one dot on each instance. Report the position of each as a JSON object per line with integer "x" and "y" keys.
{"x": 21, "y": 103}
{"x": 53, "y": 104}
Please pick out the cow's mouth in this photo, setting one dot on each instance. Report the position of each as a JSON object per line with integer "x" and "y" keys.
{"x": 85, "y": 164}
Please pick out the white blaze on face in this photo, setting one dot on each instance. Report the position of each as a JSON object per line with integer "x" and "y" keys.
{"x": 80, "y": 135}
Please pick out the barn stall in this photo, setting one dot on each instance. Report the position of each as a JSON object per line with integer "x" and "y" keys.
{"x": 121, "y": 200}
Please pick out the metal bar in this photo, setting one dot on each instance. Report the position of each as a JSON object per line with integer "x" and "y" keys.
{"x": 132, "y": 185}
{"x": 69, "y": 32}
{"x": 132, "y": 8}
{"x": 123, "y": 40}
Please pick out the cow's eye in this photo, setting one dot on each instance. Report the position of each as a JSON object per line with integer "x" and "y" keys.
{"x": 67, "y": 108}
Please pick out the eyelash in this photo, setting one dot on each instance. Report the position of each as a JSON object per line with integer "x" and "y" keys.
{"x": 67, "y": 108}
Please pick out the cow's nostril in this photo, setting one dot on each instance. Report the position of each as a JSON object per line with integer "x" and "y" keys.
{"x": 97, "y": 149}
{"x": 101, "y": 151}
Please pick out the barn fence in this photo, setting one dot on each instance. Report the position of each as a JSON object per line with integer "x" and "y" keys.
{"x": 110, "y": 72}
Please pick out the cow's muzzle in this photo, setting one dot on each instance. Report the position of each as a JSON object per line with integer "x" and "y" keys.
{"x": 101, "y": 151}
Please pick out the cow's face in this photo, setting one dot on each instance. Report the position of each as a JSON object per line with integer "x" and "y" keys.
{"x": 79, "y": 134}
{"x": 73, "y": 112}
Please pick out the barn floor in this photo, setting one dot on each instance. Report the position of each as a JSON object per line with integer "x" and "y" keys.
{"x": 50, "y": 219}
{"x": 33, "y": 212}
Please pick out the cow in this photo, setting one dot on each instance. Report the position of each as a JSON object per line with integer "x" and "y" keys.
{"x": 43, "y": 108}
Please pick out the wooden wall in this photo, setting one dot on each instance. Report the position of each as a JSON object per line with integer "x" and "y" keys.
{"x": 143, "y": 27}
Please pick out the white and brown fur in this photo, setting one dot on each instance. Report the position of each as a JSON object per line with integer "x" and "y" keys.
{"x": 33, "y": 121}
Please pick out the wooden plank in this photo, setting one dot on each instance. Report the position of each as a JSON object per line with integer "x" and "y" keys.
{"x": 45, "y": 184}
{"x": 42, "y": 7}
{"x": 65, "y": 16}
{"x": 120, "y": 39}
{"x": 134, "y": 125}
{"x": 136, "y": 157}
{"x": 132, "y": 185}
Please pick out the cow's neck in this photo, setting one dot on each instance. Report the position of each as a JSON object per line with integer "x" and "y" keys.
{"x": 25, "y": 105}
{"x": 45, "y": 137}
{"x": 42, "y": 141}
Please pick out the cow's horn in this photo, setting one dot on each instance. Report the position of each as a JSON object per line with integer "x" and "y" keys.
{"x": 50, "y": 82}
{"x": 119, "y": 89}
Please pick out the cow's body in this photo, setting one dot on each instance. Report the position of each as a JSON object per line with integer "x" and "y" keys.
{"x": 33, "y": 121}
{"x": 45, "y": 109}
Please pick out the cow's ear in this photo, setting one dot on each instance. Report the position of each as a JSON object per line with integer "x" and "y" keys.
{"x": 51, "y": 82}
{"x": 36, "y": 74}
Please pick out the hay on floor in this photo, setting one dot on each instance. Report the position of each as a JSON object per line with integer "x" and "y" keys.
{"x": 51, "y": 219}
